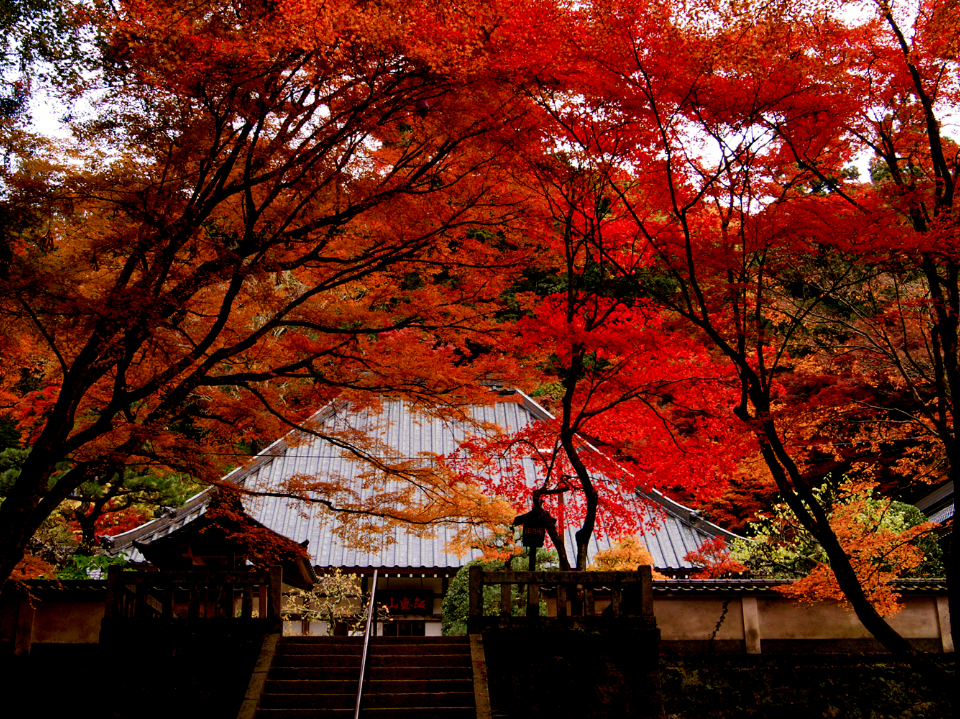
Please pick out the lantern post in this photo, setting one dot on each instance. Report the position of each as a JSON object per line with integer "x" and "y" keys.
{"x": 534, "y": 523}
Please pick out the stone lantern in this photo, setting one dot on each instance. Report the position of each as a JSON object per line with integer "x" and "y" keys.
{"x": 534, "y": 523}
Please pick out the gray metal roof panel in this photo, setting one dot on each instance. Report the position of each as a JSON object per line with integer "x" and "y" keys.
{"x": 938, "y": 495}
{"x": 943, "y": 515}
{"x": 409, "y": 435}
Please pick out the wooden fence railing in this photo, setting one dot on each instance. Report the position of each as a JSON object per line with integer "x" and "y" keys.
{"x": 573, "y": 596}
{"x": 193, "y": 595}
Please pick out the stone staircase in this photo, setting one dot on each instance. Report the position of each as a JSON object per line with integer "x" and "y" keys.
{"x": 405, "y": 677}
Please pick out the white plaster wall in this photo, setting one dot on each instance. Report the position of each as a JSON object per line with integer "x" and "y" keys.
{"x": 68, "y": 622}
{"x": 784, "y": 619}
{"x": 696, "y": 618}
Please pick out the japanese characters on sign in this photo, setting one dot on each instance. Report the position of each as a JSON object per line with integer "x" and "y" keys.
{"x": 407, "y": 602}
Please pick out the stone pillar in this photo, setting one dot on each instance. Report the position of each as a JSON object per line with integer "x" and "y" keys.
{"x": 943, "y": 615}
{"x": 23, "y": 637}
{"x": 751, "y": 624}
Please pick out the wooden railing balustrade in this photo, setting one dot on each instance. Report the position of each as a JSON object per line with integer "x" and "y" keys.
{"x": 575, "y": 596}
{"x": 194, "y": 595}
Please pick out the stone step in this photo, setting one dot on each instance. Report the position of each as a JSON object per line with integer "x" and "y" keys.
{"x": 378, "y": 640}
{"x": 376, "y": 648}
{"x": 378, "y": 673}
{"x": 311, "y": 639}
{"x": 407, "y": 677}
{"x": 333, "y": 650}
{"x": 374, "y": 686}
{"x": 370, "y": 701}
{"x": 465, "y": 712}
{"x": 375, "y": 660}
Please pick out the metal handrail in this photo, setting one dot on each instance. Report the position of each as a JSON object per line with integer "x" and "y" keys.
{"x": 366, "y": 644}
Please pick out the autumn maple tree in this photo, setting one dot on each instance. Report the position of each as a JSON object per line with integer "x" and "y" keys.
{"x": 725, "y": 131}
{"x": 275, "y": 205}
{"x": 885, "y": 540}
{"x": 714, "y": 561}
{"x": 625, "y": 556}
{"x": 634, "y": 399}
{"x": 267, "y": 206}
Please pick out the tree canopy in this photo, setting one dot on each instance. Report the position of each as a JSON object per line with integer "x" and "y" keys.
{"x": 644, "y": 209}
{"x": 271, "y": 206}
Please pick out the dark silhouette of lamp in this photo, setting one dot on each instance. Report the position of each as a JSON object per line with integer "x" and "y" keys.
{"x": 534, "y": 523}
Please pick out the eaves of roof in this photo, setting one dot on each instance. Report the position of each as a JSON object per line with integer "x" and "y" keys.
{"x": 675, "y": 587}
{"x": 935, "y": 499}
{"x": 91, "y": 589}
{"x": 943, "y": 515}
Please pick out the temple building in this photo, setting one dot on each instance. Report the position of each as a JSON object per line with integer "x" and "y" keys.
{"x": 414, "y": 567}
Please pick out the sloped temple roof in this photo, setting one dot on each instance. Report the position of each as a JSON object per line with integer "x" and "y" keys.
{"x": 674, "y": 531}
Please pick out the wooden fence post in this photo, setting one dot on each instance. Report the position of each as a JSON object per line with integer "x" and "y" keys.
{"x": 193, "y": 608}
{"x": 276, "y": 596}
{"x": 167, "y": 606}
{"x": 616, "y": 600}
{"x": 23, "y": 637}
{"x": 561, "y": 600}
{"x": 646, "y": 589}
{"x": 476, "y": 591}
{"x": 112, "y": 603}
{"x": 533, "y": 597}
{"x": 246, "y": 603}
{"x": 225, "y": 603}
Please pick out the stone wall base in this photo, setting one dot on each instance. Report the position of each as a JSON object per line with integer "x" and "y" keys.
{"x": 609, "y": 674}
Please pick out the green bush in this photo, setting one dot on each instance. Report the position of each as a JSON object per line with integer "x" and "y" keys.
{"x": 456, "y": 602}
